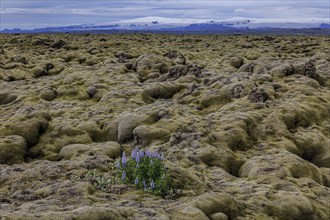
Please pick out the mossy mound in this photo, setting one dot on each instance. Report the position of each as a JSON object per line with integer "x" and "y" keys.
{"x": 110, "y": 149}
{"x": 151, "y": 66}
{"x": 12, "y": 149}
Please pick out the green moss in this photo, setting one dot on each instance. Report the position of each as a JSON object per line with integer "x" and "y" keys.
{"x": 219, "y": 98}
{"x": 12, "y": 149}
{"x": 161, "y": 91}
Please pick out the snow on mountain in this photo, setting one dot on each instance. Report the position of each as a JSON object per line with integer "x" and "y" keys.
{"x": 186, "y": 24}
{"x": 288, "y": 23}
{"x": 155, "y": 23}
{"x": 238, "y": 22}
{"x": 160, "y": 20}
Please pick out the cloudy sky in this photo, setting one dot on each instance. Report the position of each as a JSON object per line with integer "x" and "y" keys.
{"x": 44, "y": 13}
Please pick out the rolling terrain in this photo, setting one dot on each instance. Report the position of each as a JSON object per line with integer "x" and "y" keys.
{"x": 243, "y": 122}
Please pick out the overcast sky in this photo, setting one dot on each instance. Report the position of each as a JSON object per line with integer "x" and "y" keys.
{"x": 36, "y": 13}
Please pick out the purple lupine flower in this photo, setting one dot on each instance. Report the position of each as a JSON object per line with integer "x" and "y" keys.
{"x": 141, "y": 153}
{"x": 124, "y": 159}
{"x": 152, "y": 184}
{"x": 136, "y": 181}
{"x": 144, "y": 184}
{"x": 133, "y": 154}
{"x": 147, "y": 152}
{"x": 137, "y": 158}
{"x": 123, "y": 175}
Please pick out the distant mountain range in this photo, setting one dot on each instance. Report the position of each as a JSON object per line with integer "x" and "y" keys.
{"x": 176, "y": 25}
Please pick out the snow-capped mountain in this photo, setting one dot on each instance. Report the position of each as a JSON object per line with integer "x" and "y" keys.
{"x": 158, "y": 21}
{"x": 162, "y": 22}
{"x": 184, "y": 25}
{"x": 237, "y": 22}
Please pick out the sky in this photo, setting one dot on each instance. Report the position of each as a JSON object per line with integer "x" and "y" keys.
{"x": 29, "y": 14}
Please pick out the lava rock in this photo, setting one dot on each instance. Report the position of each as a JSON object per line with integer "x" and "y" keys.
{"x": 176, "y": 56}
{"x": 91, "y": 90}
{"x": 258, "y": 96}
{"x": 236, "y": 62}
{"x": 310, "y": 69}
{"x": 57, "y": 44}
{"x": 149, "y": 64}
{"x": 7, "y": 97}
{"x": 12, "y": 149}
{"x": 181, "y": 70}
{"x": 110, "y": 149}
{"x": 48, "y": 94}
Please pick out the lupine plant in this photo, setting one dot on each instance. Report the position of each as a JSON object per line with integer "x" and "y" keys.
{"x": 145, "y": 170}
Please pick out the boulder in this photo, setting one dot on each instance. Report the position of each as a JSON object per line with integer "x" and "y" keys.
{"x": 211, "y": 203}
{"x": 283, "y": 70}
{"x": 281, "y": 164}
{"x": 161, "y": 91}
{"x": 182, "y": 70}
{"x": 149, "y": 64}
{"x": 216, "y": 97}
{"x": 127, "y": 122}
{"x": 91, "y": 90}
{"x": 48, "y": 94}
{"x": 219, "y": 216}
{"x": 145, "y": 134}
{"x": 12, "y": 149}
{"x": 248, "y": 67}
{"x": 176, "y": 56}
{"x": 41, "y": 41}
{"x": 7, "y": 97}
{"x": 258, "y": 96}
{"x": 190, "y": 213}
{"x": 290, "y": 205}
{"x": 57, "y": 44}
{"x": 236, "y": 62}
{"x": 123, "y": 56}
{"x": 110, "y": 149}
{"x": 20, "y": 59}
{"x": 313, "y": 146}
{"x": 29, "y": 128}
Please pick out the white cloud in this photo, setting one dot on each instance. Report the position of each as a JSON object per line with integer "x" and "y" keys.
{"x": 8, "y": 11}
